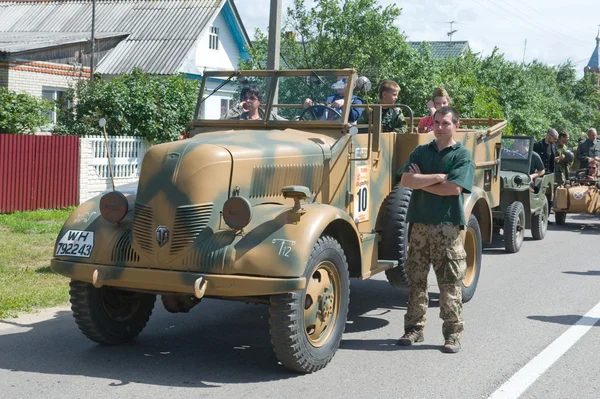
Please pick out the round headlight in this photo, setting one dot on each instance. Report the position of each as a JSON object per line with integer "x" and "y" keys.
{"x": 113, "y": 206}
{"x": 237, "y": 212}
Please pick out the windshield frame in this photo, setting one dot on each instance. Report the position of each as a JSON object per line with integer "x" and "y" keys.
{"x": 529, "y": 154}
{"x": 273, "y": 76}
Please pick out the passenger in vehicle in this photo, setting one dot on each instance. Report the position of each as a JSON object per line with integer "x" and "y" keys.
{"x": 588, "y": 148}
{"x": 439, "y": 98}
{"x": 336, "y": 101}
{"x": 592, "y": 172}
{"x": 392, "y": 119}
{"x": 249, "y": 106}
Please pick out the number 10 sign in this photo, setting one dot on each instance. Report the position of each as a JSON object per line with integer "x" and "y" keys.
{"x": 361, "y": 187}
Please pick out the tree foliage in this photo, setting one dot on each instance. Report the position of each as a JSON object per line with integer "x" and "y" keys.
{"x": 156, "y": 108}
{"x": 22, "y": 113}
{"x": 363, "y": 35}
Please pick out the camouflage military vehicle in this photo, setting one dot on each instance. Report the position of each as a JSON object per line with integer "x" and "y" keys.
{"x": 280, "y": 210}
{"x": 521, "y": 205}
{"x": 579, "y": 195}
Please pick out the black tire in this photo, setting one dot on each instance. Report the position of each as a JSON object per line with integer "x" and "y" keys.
{"x": 539, "y": 222}
{"x": 560, "y": 218}
{"x": 107, "y": 315}
{"x": 474, "y": 249}
{"x": 514, "y": 227}
{"x": 394, "y": 235}
{"x": 295, "y": 340}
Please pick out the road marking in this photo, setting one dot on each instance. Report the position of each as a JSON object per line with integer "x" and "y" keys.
{"x": 518, "y": 383}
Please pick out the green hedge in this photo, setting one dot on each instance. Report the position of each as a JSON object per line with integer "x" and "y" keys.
{"x": 22, "y": 113}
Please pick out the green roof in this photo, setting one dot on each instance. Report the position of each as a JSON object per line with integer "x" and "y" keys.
{"x": 444, "y": 49}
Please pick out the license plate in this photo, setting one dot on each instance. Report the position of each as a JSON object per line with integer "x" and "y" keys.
{"x": 76, "y": 243}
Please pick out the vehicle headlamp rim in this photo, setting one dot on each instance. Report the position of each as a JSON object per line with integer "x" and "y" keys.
{"x": 119, "y": 213}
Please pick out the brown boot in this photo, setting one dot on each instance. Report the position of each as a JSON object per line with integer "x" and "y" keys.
{"x": 452, "y": 345}
{"x": 411, "y": 337}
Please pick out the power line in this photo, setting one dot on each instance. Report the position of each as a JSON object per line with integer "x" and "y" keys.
{"x": 557, "y": 35}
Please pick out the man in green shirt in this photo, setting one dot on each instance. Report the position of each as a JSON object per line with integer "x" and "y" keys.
{"x": 438, "y": 173}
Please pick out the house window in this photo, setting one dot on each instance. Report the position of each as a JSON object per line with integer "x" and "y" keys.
{"x": 224, "y": 107}
{"x": 56, "y": 96}
{"x": 213, "y": 38}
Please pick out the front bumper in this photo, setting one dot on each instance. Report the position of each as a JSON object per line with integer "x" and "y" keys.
{"x": 197, "y": 284}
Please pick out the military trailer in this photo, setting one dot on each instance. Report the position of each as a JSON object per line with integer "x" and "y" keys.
{"x": 523, "y": 204}
{"x": 281, "y": 210}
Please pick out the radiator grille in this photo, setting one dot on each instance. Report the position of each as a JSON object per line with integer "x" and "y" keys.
{"x": 190, "y": 221}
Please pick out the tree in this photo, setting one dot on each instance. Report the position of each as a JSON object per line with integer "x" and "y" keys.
{"x": 22, "y": 113}
{"x": 136, "y": 104}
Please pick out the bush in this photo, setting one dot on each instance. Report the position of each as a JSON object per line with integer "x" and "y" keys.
{"x": 22, "y": 113}
{"x": 156, "y": 108}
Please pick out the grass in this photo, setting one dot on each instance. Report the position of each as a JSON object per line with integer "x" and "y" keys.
{"x": 26, "y": 244}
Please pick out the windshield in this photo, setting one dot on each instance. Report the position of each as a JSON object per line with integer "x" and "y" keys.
{"x": 515, "y": 153}
{"x": 301, "y": 96}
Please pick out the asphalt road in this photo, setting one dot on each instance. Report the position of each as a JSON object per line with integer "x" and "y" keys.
{"x": 221, "y": 349}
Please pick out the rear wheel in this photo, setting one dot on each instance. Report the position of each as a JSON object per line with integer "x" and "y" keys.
{"x": 395, "y": 233}
{"x": 108, "y": 315}
{"x": 560, "y": 217}
{"x": 307, "y": 326}
{"x": 514, "y": 227}
{"x": 473, "y": 247}
{"x": 539, "y": 222}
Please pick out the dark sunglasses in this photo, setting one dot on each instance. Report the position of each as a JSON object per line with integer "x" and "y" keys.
{"x": 253, "y": 98}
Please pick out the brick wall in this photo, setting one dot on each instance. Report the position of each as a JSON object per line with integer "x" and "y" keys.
{"x": 31, "y": 77}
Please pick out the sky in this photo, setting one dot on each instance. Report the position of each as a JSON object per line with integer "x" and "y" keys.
{"x": 556, "y": 31}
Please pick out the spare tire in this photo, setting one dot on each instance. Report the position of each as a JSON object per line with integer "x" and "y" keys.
{"x": 395, "y": 233}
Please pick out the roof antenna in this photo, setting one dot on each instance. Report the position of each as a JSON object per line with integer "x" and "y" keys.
{"x": 451, "y": 31}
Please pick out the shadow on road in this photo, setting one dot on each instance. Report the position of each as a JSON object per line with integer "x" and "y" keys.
{"x": 588, "y": 273}
{"x": 218, "y": 342}
{"x": 384, "y": 345}
{"x": 568, "y": 320}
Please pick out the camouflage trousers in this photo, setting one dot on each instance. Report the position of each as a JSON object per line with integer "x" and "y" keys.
{"x": 442, "y": 247}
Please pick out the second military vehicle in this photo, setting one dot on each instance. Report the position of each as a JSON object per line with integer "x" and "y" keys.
{"x": 275, "y": 208}
{"x": 523, "y": 204}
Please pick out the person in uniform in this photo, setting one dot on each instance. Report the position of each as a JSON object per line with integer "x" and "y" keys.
{"x": 562, "y": 163}
{"x": 438, "y": 173}
{"x": 588, "y": 149}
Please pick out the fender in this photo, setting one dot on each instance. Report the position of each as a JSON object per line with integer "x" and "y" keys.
{"x": 477, "y": 204}
{"x": 278, "y": 241}
{"x": 86, "y": 217}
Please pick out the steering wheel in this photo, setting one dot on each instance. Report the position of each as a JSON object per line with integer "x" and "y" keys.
{"x": 329, "y": 114}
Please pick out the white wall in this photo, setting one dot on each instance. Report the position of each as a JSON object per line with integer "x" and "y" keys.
{"x": 126, "y": 153}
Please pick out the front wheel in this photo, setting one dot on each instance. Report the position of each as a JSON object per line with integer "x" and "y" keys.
{"x": 514, "y": 227}
{"x": 539, "y": 222}
{"x": 473, "y": 247}
{"x": 306, "y": 327}
{"x": 108, "y": 315}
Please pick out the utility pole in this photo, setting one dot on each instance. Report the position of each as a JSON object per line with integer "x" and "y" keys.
{"x": 93, "y": 47}
{"x": 274, "y": 40}
{"x": 524, "y": 49}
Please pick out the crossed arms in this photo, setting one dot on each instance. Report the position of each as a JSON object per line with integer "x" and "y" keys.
{"x": 434, "y": 183}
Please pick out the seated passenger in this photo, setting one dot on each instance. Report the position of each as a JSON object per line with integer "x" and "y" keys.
{"x": 439, "y": 99}
{"x": 336, "y": 101}
{"x": 249, "y": 107}
{"x": 592, "y": 171}
{"x": 392, "y": 119}
{"x": 536, "y": 171}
